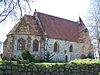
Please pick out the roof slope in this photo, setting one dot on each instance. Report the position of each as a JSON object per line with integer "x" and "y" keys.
{"x": 59, "y": 28}
{"x": 55, "y": 27}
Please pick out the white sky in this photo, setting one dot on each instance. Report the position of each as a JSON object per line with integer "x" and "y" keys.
{"x": 68, "y": 9}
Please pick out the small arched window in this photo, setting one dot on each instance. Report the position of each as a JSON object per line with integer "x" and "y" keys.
{"x": 35, "y": 45}
{"x": 21, "y": 44}
{"x": 56, "y": 47}
{"x": 71, "y": 48}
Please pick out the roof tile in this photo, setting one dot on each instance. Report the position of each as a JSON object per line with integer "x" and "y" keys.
{"x": 59, "y": 28}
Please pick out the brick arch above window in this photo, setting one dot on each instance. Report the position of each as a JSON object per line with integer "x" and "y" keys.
{"x": 35, "y": 45}
{"x": 56, "y": 47}
{"x": 21, "y": 44}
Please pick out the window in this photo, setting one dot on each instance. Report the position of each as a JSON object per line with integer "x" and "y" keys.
{"x": 56, "y": 47}
{"x": 21, "y": 44}
{"x": 71, "y": 48}
{"x": 28, "y": 42}
{"x": 35, "y": 45}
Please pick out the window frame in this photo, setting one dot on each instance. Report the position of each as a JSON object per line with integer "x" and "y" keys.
{"x": 56, "y": 47}
{"x": 35, "y": 45}
{"x": 21, "y": 44}
{"x": 71, "y": 48}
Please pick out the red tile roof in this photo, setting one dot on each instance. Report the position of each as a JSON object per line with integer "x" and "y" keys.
{"x": 34, "y": 29}
{"x": 55, "y": 27}
{"x": 59, "y": 28}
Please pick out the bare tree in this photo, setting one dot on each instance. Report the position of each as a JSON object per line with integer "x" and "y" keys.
{"x": 94, "y": 24}
{"x": 14, "y": 8}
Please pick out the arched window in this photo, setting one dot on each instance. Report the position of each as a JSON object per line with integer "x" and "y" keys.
{"x": 28, "y": 42}
{"x": 21, "y": 44}
{"x": 56, "y": 47}
{"x": 71, "y": 48}
{"x": 35, "y": 45}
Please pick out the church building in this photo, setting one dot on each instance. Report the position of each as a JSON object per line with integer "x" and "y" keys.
{"x": 42, "y": 33}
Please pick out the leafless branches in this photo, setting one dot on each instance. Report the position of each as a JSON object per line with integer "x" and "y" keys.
{"x": 94, "y": 20}
{"x": 13, "y": 8}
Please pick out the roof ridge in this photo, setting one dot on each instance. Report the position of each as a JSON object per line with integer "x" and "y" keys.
{"x": 28, "y": 15}
{"x": 57, "y": 17}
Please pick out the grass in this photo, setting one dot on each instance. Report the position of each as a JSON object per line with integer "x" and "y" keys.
{"x": 77, "y": 61}
{"x": 0, "y": 59}
{"x": 85, "y": 61}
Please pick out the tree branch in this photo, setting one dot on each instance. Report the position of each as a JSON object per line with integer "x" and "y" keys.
{"x": 19, "y": 8}
{"x": 5, "y": 10}
{"x": 7, "y": 14}
{"x": 12, "y": 5}
{"x": 28, "y": 6}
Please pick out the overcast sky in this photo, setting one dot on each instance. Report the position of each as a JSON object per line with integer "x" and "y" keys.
{"x": 68, "y": 9}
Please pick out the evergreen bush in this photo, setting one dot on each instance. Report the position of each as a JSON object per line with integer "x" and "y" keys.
{"x": 27, "y": 55}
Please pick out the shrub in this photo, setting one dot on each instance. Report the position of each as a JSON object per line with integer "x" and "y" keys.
{"x": 27, "y": 56}
{"x": 4, "y": 58}
{"x": 90, "y": 55}
{"x": 82, "y": 56}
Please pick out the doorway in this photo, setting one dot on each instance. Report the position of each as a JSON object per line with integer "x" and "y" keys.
{"x": 66, "y": 58}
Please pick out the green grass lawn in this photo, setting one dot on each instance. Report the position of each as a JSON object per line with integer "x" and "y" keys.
{"x": 77, "y": 61}
{"x": 85, "y": 61}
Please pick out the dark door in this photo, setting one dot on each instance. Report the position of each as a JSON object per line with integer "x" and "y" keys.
{"x": 66, "y": 58}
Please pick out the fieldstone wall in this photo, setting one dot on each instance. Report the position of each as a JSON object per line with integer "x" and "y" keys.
{"x": 47, "y": 69}
{"x": 64, "y": 47}
{"x": 18, "y": 53}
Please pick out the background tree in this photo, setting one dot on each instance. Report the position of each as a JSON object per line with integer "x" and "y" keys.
{"x": 94, "y": 24}
{"x": 14, "y": 8}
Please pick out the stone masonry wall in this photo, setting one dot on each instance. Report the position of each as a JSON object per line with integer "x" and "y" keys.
{"x": 49, "y": 46}
{"x": 54, "y": 69}
{"x": 64, "y": 46}
{"x": 19, "y": 52}
{"x": 64, "y": 49}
